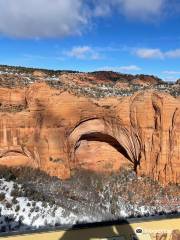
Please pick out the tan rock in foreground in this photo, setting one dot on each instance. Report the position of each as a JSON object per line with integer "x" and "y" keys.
{"x": 58, "y": 132}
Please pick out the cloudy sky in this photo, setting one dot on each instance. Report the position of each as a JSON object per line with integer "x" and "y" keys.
{"x": 129, "y": 36}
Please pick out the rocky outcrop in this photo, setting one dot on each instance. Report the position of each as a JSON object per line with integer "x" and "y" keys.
{"x": 178, "y": 81}
{"x": 58, "y": 132}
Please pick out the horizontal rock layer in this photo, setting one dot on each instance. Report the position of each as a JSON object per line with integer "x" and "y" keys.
{"x": 58, "y": 132}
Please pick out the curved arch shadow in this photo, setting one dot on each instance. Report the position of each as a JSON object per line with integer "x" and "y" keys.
{"x": 101, "y": 231}
{"x": 102, "y": 137}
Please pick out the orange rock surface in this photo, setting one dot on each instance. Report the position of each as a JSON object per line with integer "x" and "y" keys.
{"x": 59, "y": 132}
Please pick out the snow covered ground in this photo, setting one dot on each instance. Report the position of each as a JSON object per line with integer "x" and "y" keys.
{"x": 75, "y": 201}
{"x": 20, "y": 213}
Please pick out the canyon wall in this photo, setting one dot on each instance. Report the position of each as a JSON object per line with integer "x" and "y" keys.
{"x": 58, "y": 132}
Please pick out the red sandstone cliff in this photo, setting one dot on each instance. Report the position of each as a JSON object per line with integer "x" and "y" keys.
{"x": 58, "y": 132}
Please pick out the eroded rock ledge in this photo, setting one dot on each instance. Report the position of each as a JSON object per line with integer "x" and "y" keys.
{"x": 57, "y": 132}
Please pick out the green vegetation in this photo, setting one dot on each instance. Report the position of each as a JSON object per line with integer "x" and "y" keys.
{"x": 21, "y": 69}
{"x": 12, "y": 108}
{"x": 56, "y": 160}
{"x": 12, "y": 77}
{"x": 2, "y": 196}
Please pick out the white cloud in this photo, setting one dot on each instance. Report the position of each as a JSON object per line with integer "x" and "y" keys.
{"x": 173, "y": 53}
{"x": 59, "y": 18}
{"x": 171, "y": 72}
{"x": 142, "y": 8}
{"x": 130, "y": 68}
{"x": 149, "y": 53}
{"x": 102, "y": 8}
{"x": 171, "y": 75}
{"x": 79, "y": 52}
{"x": 139, "y": 9}
{"x": 170, "y": 79}
{"x": 42, "y": 18}
{"x": 83, "y": 53}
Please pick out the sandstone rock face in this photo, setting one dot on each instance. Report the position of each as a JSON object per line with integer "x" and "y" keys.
{"x": 58, "y": 132}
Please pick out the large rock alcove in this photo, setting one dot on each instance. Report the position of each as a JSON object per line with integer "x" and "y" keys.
{"x": 94, "y": 147}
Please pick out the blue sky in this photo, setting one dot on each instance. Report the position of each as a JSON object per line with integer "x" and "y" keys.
{"x": 129, "y": 36}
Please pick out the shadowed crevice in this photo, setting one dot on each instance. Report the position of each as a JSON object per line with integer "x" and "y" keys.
{"x": 102, "y": 137}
